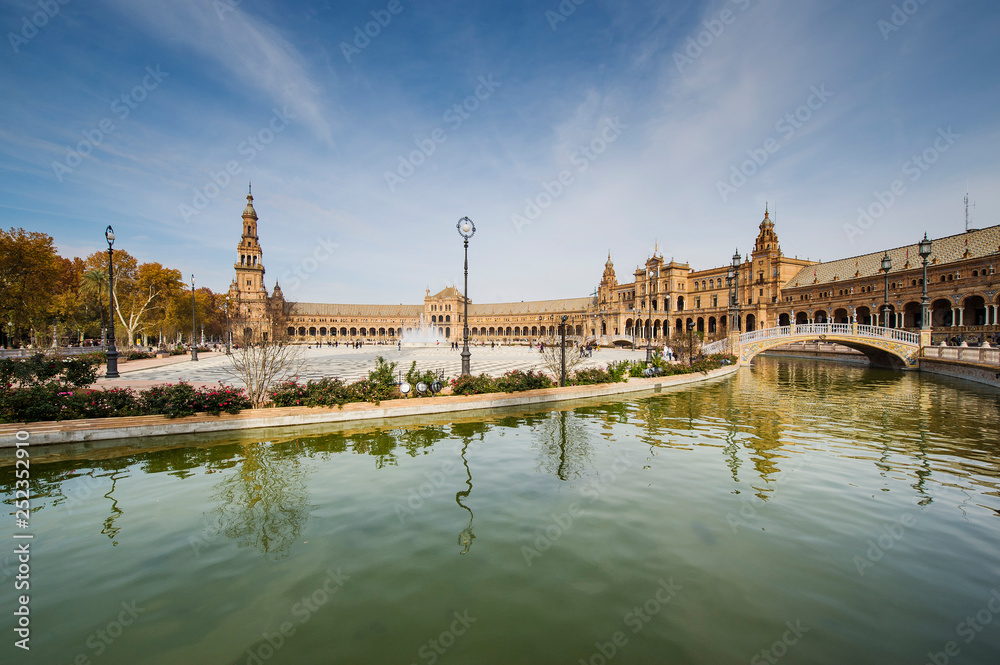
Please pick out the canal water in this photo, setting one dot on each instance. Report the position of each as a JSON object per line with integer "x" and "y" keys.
{"x": 798, "y": 512}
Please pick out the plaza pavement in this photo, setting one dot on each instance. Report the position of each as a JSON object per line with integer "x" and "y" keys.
{"x": 349, "y": 364}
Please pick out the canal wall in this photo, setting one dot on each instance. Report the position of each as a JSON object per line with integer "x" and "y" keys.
{"x": 988, "y": 374}
{"x": 103, "y": 429}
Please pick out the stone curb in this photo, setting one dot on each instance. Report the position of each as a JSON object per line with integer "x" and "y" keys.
{"x": 99, "y": 429}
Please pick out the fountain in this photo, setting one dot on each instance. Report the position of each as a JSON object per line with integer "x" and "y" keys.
{"x": 424, "y": 336}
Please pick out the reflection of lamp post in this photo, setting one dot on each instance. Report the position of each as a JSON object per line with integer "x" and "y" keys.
{"x": 925, "y": 316}
{"x": 690, "y": 343}
{"x": 886, "y": 267}
{"x": 194, "y": 326}
{"x": 112, "y": 352}
{"x": 466, "y": 229}
{"x": 466, "y": 537}
{"x": 562, "y": 329}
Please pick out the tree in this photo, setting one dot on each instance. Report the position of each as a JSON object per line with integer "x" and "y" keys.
{"x": 29, "y": 275}
{"x": 261, "y": 363}
{"x": 552, "y": 357}
{"x": 140, "y": 291}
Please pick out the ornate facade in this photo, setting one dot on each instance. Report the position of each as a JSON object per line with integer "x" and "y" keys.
{"x": 661, "y": 299}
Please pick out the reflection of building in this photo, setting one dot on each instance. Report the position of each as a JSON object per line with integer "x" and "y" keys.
{"x": 663, "y": 297}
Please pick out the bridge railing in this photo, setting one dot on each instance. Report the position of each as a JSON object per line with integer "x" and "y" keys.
{"x": 969, "y": 354}
{"x": 811, "y": 329}
{"x": 718, "y": 346}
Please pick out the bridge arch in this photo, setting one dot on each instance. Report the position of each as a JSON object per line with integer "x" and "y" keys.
{"x": 884, "y": 347}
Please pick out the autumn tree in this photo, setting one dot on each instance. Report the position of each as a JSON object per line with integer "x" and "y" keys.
{"x": 29, "y": 274}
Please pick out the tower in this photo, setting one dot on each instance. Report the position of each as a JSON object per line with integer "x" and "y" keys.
{"x": 248, "y": 299}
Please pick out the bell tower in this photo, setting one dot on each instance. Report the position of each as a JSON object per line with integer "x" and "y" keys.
{"x": 249, "y": 282}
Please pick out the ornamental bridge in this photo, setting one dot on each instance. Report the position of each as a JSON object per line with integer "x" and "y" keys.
{"x": 884, "y": 347}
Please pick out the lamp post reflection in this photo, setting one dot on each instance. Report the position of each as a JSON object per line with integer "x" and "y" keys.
{"x": 466, "y": 537}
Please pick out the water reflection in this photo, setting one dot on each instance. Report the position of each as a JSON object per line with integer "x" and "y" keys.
{"x": 466, "y": 537}
{"x": 264, "y": 503}
{"x": 563, "y": 444}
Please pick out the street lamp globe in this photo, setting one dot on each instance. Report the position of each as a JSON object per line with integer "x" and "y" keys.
{"x": 109, "y": 235}
{"x": 886, "y": 263}
{"x": 466, "y": 228}
{"x": 924, "y": 247}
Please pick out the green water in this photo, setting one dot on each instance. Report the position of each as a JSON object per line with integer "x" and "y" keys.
{"x": 797, "y": 512}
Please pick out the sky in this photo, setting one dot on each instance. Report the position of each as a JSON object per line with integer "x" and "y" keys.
{"x": 564, "y": 129}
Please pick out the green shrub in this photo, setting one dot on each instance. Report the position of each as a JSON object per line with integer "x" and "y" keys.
{"x": 39, "y": 369}
{"x": 473, "y": 385}
{"x": 139, "y": 355}
{"x": 591, "y": 376}
{"x": 619, "y": 370}
{"x": 173, "y": 400}
{"x": 517, "y": 380}
{"x": 108, "y": 403}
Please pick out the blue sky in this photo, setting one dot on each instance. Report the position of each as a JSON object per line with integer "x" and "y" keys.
{"x": 563, "y": 130}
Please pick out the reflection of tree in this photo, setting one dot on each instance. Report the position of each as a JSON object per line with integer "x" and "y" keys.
{"x": 263, "y": 504}
{"x": 563, "y": 445}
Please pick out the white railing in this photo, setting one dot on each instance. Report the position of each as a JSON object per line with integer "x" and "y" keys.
{"x": 815, "y": 329}
{"x": 718, "y": 346}
{"x": 968, "y": 354}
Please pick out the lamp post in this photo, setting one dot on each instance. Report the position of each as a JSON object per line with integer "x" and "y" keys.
{"x": 55, "y": 333}
{"x": 690, "y": 343}
{"x": 466, "y": 229}
{"x": 886, "y": 267}
{"x": 194, "y": 326}
{"x": 925, "y": 316}
{"x": 734, "y": 276}
{"x": 562, "y": 332}
{"x": 225, "y": 307}
{"x": 112, "y": 352}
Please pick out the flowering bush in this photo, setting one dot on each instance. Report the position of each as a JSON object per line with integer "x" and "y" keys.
{"x": 473, "y": 385}
{"x": 517, "y": 380}
{"x": 591, "y": 376}
{"x": 51, "y": 402}
{"x": 139, "y": 355}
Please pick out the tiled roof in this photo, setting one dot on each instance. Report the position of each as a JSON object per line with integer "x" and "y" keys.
{"x": 331, "y": 309}
{"x": 978, "y": 243}
{"x": 538, "y": 307}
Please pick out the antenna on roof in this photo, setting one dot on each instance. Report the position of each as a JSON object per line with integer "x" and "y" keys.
{"x": 967, "y": 207}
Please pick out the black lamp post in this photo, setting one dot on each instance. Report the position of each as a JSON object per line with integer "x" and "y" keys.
{"x": 194, "y": 326}
{"x": 466, "y": 229}
{"x": 925, "y": 315}
{"x": 690, "y": 343}
{"x": 734, "y": 275}
{"x": 225, "y": 306}
{"x": 562, "y": 332}
{"x": 886, "y": 267}
{"x": 112, "y": 352}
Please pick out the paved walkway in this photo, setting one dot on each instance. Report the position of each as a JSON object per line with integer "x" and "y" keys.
{"x": 349, "y": 364}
